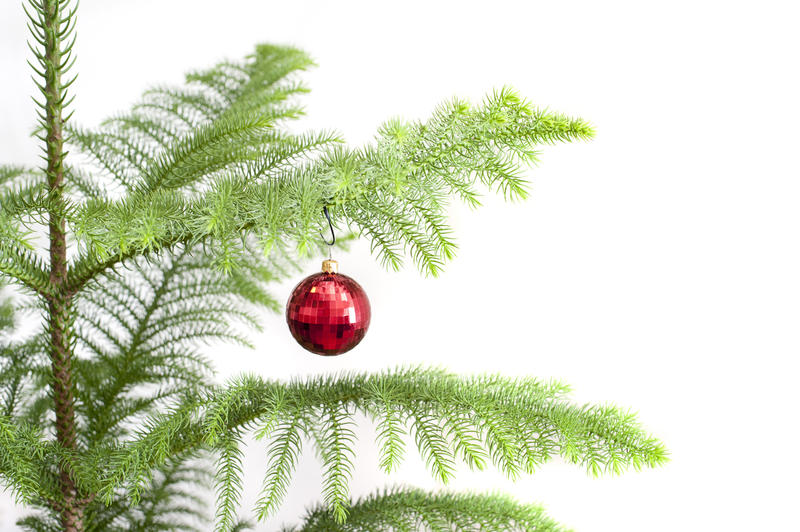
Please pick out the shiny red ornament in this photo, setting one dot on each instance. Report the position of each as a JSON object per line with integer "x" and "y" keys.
{"x": 328, "y": 313}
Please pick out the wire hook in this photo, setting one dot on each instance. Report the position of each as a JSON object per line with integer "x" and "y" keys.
{"x": 330, "y": 224}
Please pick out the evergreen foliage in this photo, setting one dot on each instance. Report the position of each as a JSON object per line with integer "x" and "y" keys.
{"x": 409, "y": 510}
{"x": 179, "y": 214}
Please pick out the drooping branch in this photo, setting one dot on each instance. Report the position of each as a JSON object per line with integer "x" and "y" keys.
{"x": 516, "y": 424}
{"x": 23, "y": 266}
{"x": 402, "y": 509}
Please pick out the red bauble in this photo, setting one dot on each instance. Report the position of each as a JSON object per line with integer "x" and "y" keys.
{"x": 328, "y": 313}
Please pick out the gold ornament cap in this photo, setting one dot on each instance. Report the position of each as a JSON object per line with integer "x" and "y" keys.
{"x": 330, "y": 266}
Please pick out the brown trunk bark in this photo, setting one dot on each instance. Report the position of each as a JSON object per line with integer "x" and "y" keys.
{"x": 60, "y": 298}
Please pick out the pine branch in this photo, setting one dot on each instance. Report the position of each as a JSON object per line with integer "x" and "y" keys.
{"x": 121, "y": 160}
{"x": 25, "y": 460}
{"x": 22, "y": 266}
{"x": 229, "y": 480}
{"x": 336, "y": 447}
{"x": 23, "y": 202}
{"x": 174, "y": 501}
{"x": 207, "y": 163}
{"x": 19, "y": 361}
{"x": 407, "y": 509}
{"x": 142, "y": 328}
{"x": 283, "y": 455}
{"x": 601, "y": 439}
{"x": 182, "y": 135}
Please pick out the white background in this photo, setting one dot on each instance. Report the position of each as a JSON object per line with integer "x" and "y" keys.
{"x": 655, "y": 267}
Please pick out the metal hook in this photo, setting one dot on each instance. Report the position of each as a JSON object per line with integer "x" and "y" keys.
{"x": 330, "y": 224}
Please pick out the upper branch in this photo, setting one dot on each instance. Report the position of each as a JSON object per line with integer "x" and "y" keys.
{"x": 395, "y": 192}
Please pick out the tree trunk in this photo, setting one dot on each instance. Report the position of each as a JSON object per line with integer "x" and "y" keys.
{"x": 59, "y": 299}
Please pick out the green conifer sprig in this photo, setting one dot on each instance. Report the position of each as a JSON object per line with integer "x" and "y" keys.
{"x": 394, "y": 192}
{"x": 23, "y": 267}
{"x": 408, "y": 509}
{"x": 21, "y": 460}
{"x": 209, "y": 161}
{"x": 228, "y": 480}
{"x": 143, "y": 326}
{"x": 172, "y": 503}
{"x": 516, "y": 423}
{"x": 22, "y": 200}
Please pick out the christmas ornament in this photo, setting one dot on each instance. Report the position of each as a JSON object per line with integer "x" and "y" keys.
{"x": 328, "y": 313}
